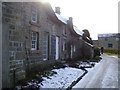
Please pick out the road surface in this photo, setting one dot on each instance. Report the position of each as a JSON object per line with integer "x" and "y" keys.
{"x": 103, "y": 75}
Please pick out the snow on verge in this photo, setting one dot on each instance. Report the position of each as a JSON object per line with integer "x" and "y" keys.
{"x": 63, "y": 78}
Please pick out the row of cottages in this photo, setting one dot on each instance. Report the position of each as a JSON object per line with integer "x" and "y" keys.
{"x": 32, "y": 33}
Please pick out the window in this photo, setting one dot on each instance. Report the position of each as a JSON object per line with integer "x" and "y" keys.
{"x": 64, "y": 30}
{"x": 117, "y": 39}
{"x": 34, "y": 14}
{"x": 9, "y": 11}
{"x": 34, "y": 41}
{"x": 64, "y": 45}
{"x": 45, "y": 46}
{"x": 106, "y": 39}
{"x": 53, "y": 41}
{"x": 53, "y": 29}
{"x": 110, "y": 45}
{"x": 74, "y": 49}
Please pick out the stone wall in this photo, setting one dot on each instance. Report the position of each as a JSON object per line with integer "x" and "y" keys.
{"x": 104, "y": 41}
{"x": 74, "y": 45}
{"x": 13, "y": 42}
{"x": 88, "y": 51}
{"x": 5, "y": 53}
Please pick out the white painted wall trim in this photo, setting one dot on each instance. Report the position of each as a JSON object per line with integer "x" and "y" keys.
{"x": 57, "y": 48}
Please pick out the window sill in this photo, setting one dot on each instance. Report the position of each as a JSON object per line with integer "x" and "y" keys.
{"x": 65, "y": 35}
{"x": 35, "y": 23}
{"x": 35, "y": 51}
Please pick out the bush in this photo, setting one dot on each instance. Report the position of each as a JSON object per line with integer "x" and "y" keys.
{"x": 96, "y": 52}
{"x": 97, "y": 58}
{"x": 46, "y": 73}
{"x": 39, "y": 67}
{"x": 112, "y": 51}
{"x": 58, "y": 65}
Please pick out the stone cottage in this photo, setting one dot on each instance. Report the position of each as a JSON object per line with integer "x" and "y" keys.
{"x": 32, "y": 33}
{"x": 110, "y": 40}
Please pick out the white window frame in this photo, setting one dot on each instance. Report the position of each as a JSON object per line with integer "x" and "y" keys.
{"x": 74, "y": 48}
{"x": 34, "y": 14}
{"x": 34, "y": 41}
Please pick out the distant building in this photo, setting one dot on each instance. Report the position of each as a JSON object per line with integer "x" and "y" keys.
{"x": 111, "y": 40}
{"x": 95, "y": 43}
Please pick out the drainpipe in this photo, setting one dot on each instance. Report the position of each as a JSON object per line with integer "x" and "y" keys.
{"x": 14, "y": 78}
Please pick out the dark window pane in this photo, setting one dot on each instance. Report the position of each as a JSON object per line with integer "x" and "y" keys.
{"x": 110, "y": 45}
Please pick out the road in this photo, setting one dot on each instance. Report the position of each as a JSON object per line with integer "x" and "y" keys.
{"x": 103, "y": 75}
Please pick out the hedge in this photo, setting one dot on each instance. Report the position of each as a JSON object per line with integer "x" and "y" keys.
{"x": 113, "y": 51}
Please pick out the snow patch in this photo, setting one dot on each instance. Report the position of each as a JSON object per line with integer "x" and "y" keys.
{"x": 89, "y": 44}
{"x": 78, "y": 31}
{"x": 85, "y": 64}
{"x": 115, "y": 56}
{"x": 63, "y": 78}
{"x": 61, "y": 18}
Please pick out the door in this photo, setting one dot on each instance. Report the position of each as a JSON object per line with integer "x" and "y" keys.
{"x": 45, "y": 46}
{"x": 71, "y": 52}
{"x": 57, "y": 48}
{"x": 53, "y": 47}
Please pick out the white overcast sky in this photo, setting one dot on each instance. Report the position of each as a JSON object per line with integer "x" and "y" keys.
{"x": 98, "y": 16}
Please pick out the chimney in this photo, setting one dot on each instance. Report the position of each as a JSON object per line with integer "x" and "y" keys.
{"x": 57, "y": 10}
{"x": 70, "y": 22}
{"x": 70, "y": 19}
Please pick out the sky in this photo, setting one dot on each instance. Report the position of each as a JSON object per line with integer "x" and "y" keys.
{"x": 98, "y": 16}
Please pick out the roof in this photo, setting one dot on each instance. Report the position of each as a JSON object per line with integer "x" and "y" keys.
{"x": 64, "y": 20}
{"x": 95, "y": 40}
{"x": 89, "y": 44}
{"x": 78, "y": 31}
{"x": 61, "y": 18}
{"x": 109, "y": 35}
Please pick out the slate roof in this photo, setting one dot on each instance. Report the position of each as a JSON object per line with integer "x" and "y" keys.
{"x": 61, "y": 18}
{"x": 78, "y": 31}
{"x": 109, "y": 35}
{"x": 64, "y": 20}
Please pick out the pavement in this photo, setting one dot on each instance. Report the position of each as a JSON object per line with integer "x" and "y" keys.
{"x": 103, "y": 75}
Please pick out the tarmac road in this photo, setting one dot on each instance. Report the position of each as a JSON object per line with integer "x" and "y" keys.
{"x": 103, "y": 75}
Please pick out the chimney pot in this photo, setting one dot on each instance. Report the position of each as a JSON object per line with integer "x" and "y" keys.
{"x": 70, "y": 19}
{"x": 57, "y": 10}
